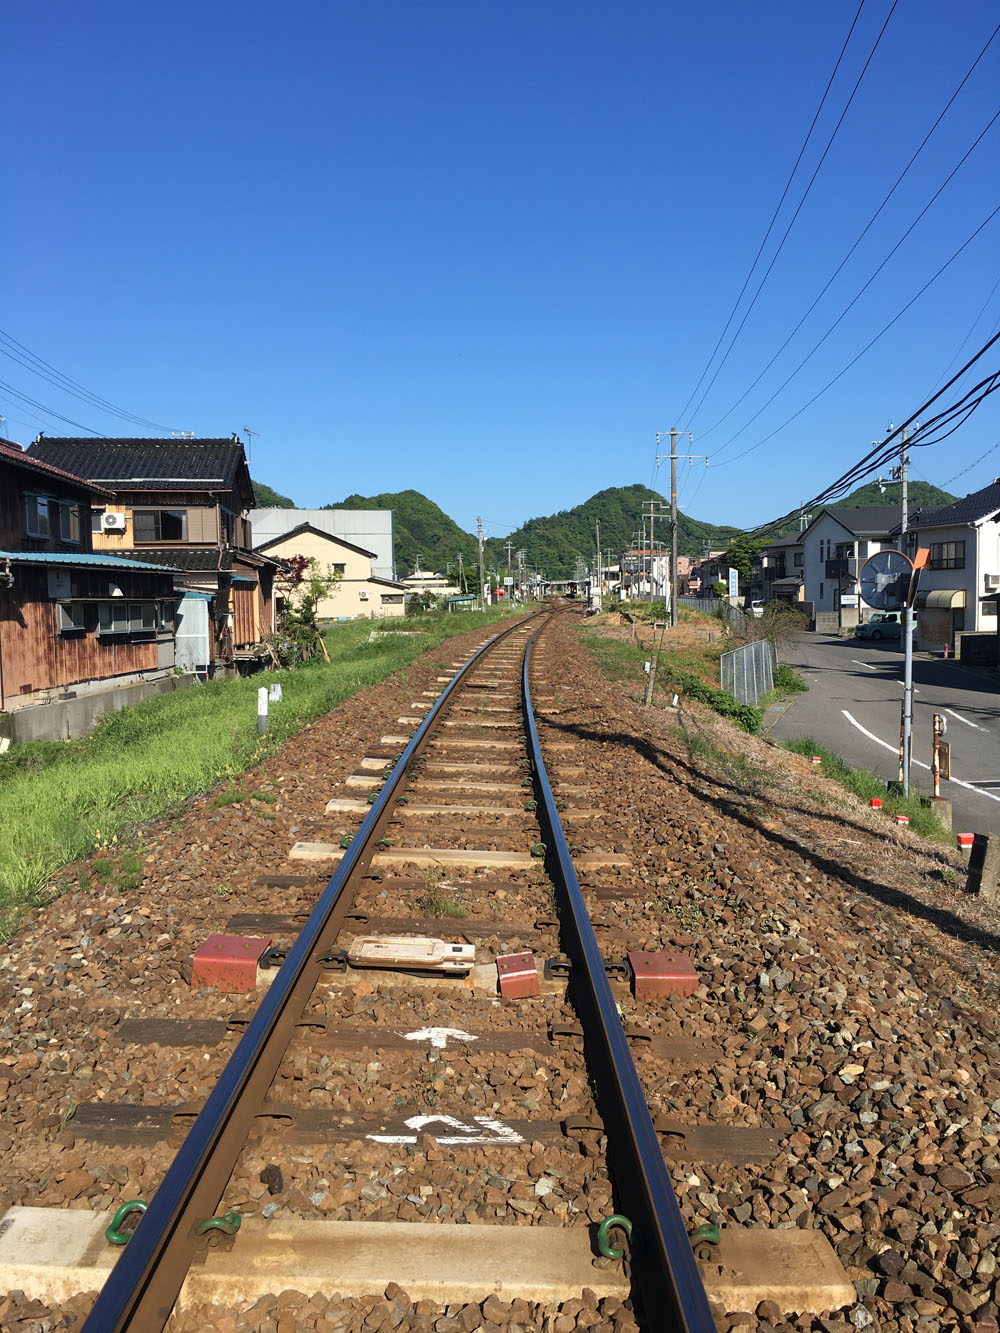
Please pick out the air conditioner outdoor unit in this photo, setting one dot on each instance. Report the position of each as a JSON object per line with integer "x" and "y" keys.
{"x": 113, "y": 523}
{"x": 363, "y": 595}
{"x": 992, "y": 582}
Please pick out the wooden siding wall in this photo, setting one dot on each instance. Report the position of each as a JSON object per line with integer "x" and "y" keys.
{"x": 15, "y": 483}
{"x": 243, "y": 604}
{"x": 35, "y": 655}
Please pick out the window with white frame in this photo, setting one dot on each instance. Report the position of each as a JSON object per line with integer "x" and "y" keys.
{"x": 46, "y": 517}
{"x": 37, "y": 518}
{"x": 72, "y": 616}
{"x": 121, "y": 617}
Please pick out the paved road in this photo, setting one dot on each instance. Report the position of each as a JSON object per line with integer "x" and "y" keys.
{"x": 853, "y": 705}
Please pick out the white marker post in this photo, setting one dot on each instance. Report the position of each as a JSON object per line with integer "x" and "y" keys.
{"x": 262, "y": 710}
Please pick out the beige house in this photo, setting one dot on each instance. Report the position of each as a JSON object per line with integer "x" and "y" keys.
{"x": 358, "y": 591}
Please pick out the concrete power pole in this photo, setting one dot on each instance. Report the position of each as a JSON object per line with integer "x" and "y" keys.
{"x": 482, "y": 579}
{"x": 673, "y": 526}
{"x": 674, "y": 432}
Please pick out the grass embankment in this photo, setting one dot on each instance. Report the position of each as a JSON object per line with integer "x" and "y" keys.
{"x": 862, "y": 782}
{"x": 688, "y": 664}
{"x": 61, "y": 802}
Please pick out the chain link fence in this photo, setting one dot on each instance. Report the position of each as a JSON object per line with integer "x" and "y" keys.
{"x": 747, "y": 673}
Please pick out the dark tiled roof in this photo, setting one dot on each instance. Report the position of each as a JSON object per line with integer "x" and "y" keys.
{"x": 970, "y": 509}
{"x": 316, "y": 532}
{"x": 150, "y": 465}
{"x": 202, "y": 559}
{"x": 865, "y": 521}
{"x": 13, "y": 453}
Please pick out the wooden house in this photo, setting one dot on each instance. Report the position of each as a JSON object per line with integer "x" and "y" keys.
{"x": 72, "y": 621}
{"x": 185, "y": 503}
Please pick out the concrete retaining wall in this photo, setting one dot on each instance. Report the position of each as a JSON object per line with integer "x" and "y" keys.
{"x": 67, "y": 719}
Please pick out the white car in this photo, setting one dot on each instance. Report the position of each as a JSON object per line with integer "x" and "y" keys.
{"x": 757, "y": 609}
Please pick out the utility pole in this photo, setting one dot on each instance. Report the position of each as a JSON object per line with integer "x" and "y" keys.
{"x": 482, "y": 580}
{"x": 907, "y": 628}
{"x": 461, "y": 573}
{"x": 674, "y": 432}
{"x": 600, "y": 585}
{"x": 653, "y": 505}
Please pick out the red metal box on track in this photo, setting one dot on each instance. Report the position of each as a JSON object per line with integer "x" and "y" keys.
{"x": 228, "y": 963}
{"x": 518, "y": 975}
{"x": 662, "y": 974}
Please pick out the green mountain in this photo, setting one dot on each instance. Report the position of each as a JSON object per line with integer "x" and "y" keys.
{"x": 552, "y": 544}
{"x": 270, "y": 499}
{"x": 919, "y": 495}
{"x": 420, "y": 529}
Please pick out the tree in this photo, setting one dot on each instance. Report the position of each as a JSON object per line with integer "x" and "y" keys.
{"x": 302, "y": 586}
{"x": 267, "y": 498}
{"x": 741, "y": 552}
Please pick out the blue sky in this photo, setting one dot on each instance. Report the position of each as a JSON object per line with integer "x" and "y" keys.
{"x": 484, "y": 249}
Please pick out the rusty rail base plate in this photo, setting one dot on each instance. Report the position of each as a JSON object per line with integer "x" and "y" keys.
{"x": 101, "y": 1122}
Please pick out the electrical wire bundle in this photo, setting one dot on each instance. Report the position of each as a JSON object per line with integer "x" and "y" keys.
{"x": 931, "y": 431}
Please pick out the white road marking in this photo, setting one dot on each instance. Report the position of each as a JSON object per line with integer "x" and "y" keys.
{"x": 864, "y": 664}
{"x": 959, "y": 718}
{"x": 894, "y": 750}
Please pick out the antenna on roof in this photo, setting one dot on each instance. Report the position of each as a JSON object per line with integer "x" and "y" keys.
{"x": 249, "y": 434}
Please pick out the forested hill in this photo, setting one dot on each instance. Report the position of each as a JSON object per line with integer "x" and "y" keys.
{"x": 270, "y": 499}
{"x": 421, "y": 530}
{"x": 555, "y": 543}
{"x": 552, "y": 545}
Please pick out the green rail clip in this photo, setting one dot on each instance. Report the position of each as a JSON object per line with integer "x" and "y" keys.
{"x": 539, "y": 849}
{"x": 620, "y": 1223}
{"x": 704, "y": 1240}
{"x": 228, "y": 1223}
{"x": 531, "y": 805}
{"x": 345, "y": 841}
{"x": 114, "y": 1232}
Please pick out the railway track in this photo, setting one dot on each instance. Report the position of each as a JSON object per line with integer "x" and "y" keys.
{"x": 511, "y": 1095}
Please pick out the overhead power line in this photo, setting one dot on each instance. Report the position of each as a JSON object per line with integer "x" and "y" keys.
{"x": 798, "y": 209}
{"x": 774, "y": 215}
{"x": 17, "y": 352}
{"x": 855, "y": 359}
{"x": 927, "y": 433}
{"x": 864, "y": 233}
{"x": 31, "y": 402}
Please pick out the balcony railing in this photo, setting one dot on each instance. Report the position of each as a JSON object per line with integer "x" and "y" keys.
{"x": 846, "y": 568}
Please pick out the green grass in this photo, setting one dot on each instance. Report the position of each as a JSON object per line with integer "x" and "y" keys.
{"x": 682, "y": 670}
{"x": 438, "y": 902}
{"x": 59, "y": 803}
{"x": 862, "y": 782}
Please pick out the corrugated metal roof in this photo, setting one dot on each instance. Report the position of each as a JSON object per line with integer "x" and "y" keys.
{"x": 82, "y": 558}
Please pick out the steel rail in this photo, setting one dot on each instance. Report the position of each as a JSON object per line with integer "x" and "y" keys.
{"x": 661, "y": 1256}
{"x": 141, "y": 1289}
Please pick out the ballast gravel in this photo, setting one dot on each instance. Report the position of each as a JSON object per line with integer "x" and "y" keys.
{"x": 846, "y": 981}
